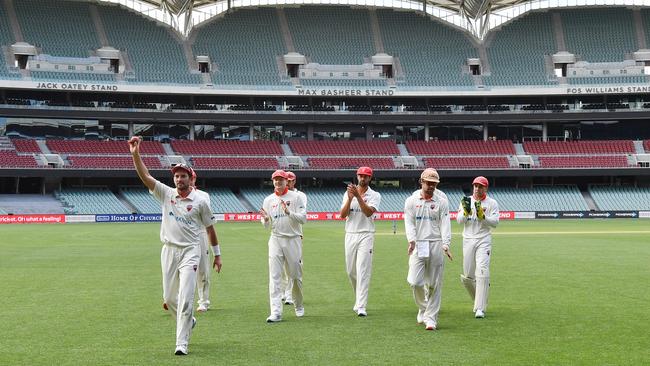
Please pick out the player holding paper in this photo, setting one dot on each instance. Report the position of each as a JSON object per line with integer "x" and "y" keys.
{"x": 479, "y": 214}
{"x": 428, "y": 231}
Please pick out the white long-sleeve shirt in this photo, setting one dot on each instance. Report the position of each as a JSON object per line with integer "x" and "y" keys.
{"x": 282, "y": 224}
{"x": 473, "y": 227}
{"x": 427, "y": 219}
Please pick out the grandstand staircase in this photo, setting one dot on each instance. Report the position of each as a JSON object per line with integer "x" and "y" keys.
{"x": 286, "y": 33}
{"x": 120, "y": 197}
{"x": 245, "y": 203}
{"x": 558, "y": 30}
{"x": 589, "y": 200}
{"x": 13, "y": 20}
{"x": 638, "y": 27}
{"x": 376, "y": 31}
{"x": 638, "y": 147}
{"x": 99, "y": 26}
{"x": 43, "y": 146}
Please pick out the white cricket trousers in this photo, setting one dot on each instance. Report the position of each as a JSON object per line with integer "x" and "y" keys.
{"x": 358, "y": 265}
{"x": 284, "y": 249}
{"x": 179, "y": 266}
{"x": 425, "y": 278}
{"x": 476, "y": 265}
{"x": 204, "y": 272}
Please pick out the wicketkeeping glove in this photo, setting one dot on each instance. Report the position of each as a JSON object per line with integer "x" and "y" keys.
{"x": 480, "y": 214}
{"x": 466, "y": 202}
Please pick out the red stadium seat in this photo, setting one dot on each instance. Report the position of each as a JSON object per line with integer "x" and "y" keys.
{"x": 579, "y": 147}
{"x": 461, "y": 147}
{"x": 110, "y": 162}
{"x": 234, "y": 163}
{"x": 101, "y": 147}
{"x": 346, "y": 148}
{"x": 592, "y": 161}
{"x": 227, "y": 147}
{"x": 9, "y": 159}
{"x": 351, "y": 163}
{"x": 26, "y": 146}
{"x": 473, "y": 162}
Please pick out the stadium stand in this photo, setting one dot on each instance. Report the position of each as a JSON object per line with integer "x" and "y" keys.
{"x": 26, "y": 146}
{"x": 541, "y": 198}
{"x": 621, "y": 198}
{"x": 110, "y": 162}
{"x": 586, "y": 161}
{"x": 255, "y": 196}
{"x": 59, "y": 28}
{"x": 327, "y": 199}
{"x": 331, "y": 35}
{"x": 234, "y": 163}
{"x": 524, "y": 64}
{"x": 6, "y": 39}
{"x": 589, "y": 40}
{"x": 242, "y": 53}
{"x": 20, "y": 204}
{"x": 10, "y": 159}
{"x": 344, "y": 83}
{"x": 351, "y": 163}
{"x": 227, "y": 147}
{"x": 223, "y": 200}
{"x": 89, "y": 147}
{"x": 345, "y": 148}
{"x": 474, "y": 162}
{"x": 90, "y": 201}
{"x": 460, "y": 147}
{"x": 71, "y": 76}
{"x": 579, "y": 147}
{"x": 416, "y": 40}
{"x": 141, "y": 199}
{"x": 155, "y": 55}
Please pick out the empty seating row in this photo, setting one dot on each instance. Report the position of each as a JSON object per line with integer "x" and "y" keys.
{"x": 490, "y": 162}
{"x": 111, "y": 162}
{"x": 234, "y": 163}
{"x": 26, "y": 146}
{"x": 579, "y": 147}
{"x": 91, "y": 201}
{"x": 9, "y": 159}
{"x": 621, "y": 198}
{"x": 344, "y": 148}
{"x": 222, "y": 200}
{"x": 543, "y": 198}
{"x": 461, "y": 147}
{"x": 592, "y": 161}
{"x": 227, "y": 147}
{"x": 351, "y": 163}
{"x": 88, "y": 147}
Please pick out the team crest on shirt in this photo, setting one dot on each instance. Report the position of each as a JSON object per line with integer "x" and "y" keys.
{"x": 194, "y": 267}
{"x": 173, "y": 202}
{"x": 288, "y": 203}
{"x": 189, "y": 208}
{"x": 433, "y": 206}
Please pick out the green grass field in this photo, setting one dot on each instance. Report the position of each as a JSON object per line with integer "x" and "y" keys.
{"x": 563, "y": 293}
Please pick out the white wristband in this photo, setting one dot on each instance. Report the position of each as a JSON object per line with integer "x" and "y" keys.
{"x": 216, "y": 250}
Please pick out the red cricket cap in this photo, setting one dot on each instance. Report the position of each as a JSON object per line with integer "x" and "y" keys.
{"x": 279, "y": 173}
{"x": 290, "y": 175}
{"x": 365, "y": 170}
{"x": 185, "y": 167}
{"x": 481, "y": 180}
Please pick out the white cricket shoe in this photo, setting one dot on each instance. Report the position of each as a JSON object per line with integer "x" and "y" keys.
{"x": 202, "y": 308}
{"x": 274, "y": 318}
{"x": 479, "y": 314}
{"x": 181, "y": 351}
{"x": 430, "y": 326}
{"x": 300, "y": 312}
{"x": 362, "y": 312}
{"x": 420, "y": 317}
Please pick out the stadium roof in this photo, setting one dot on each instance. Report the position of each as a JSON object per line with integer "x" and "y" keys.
{"x": 477, "y": 17}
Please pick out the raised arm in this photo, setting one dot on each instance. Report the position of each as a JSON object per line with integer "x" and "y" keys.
{"x": 143, "y": 172}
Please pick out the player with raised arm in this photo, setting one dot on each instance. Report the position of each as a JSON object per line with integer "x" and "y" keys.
{"x": 185, "y": 215}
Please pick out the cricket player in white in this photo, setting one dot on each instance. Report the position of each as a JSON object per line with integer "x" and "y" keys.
{"x": 207, "y": 260}
{"x": 478, "y": 214}
{"x": 284, "y": 211}
{"x": 287, "y": 283}
{"x": 186, "y": 215}
{"x": 428, "y": 231}
{"x": 359, "y": 205}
